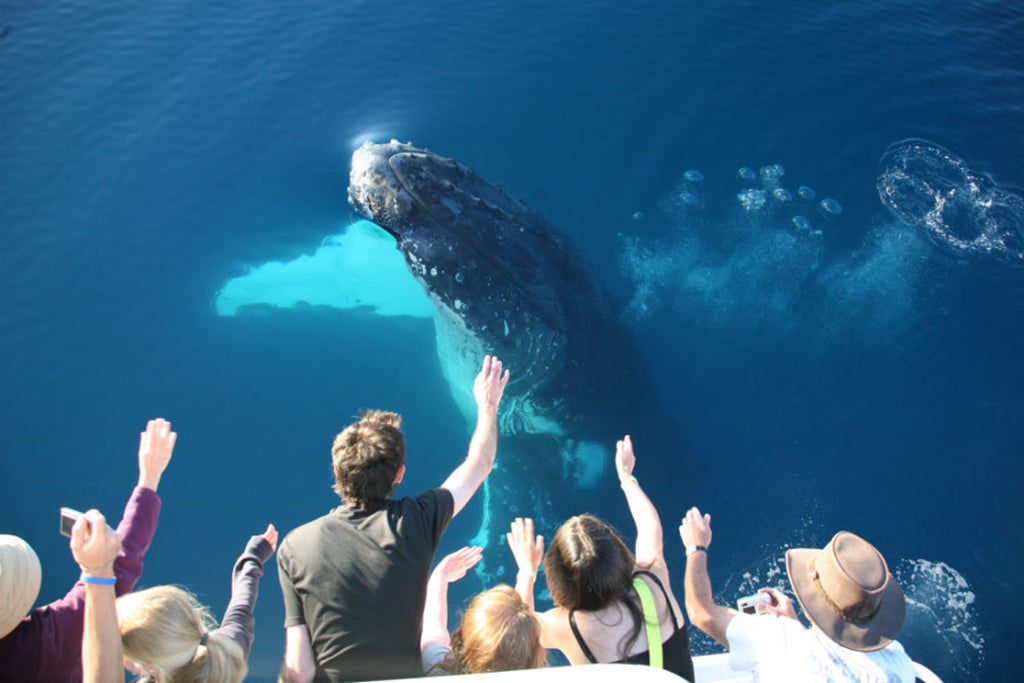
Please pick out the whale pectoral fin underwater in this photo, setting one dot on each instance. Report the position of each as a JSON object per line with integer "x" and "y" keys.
{"x": 357, "y": 269}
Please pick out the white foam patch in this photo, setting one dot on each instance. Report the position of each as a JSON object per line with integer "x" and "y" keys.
{"x": 588, "y": 461}
{"x": 358, "y": 268}
{"x": 942, "y": 617}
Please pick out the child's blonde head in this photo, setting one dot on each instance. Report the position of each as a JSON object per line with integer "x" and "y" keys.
{"x": 166, "y": 632}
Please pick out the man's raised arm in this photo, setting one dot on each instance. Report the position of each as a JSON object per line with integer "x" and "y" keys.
{"x": 713, "y": 619}
{"x": 488, "y": 387}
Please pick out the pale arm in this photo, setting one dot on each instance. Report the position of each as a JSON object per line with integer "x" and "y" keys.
{"x": 94, "y": 546}
{"x": 467, "y": 477}
{"x": 435, "y": 611}
{"x": 528, "y": 551}
{"x": 700, "y": 605}
{"x": 650, "y": 539}
{"x": 299, "y": 663}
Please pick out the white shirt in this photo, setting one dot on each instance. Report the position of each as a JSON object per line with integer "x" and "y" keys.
{"x": 782, "y": 649}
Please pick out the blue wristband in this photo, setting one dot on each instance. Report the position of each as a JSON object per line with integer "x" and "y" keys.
{"x": 98, "y": 580}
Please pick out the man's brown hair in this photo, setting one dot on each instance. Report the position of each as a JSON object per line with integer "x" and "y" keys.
{"x": 367, "y": 456}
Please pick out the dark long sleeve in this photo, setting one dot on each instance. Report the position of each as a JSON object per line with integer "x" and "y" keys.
{"x": 47, "y": 644}
{"x": 238, "y": 621}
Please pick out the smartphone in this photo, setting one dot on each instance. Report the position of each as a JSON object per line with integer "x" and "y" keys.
{"x": 68, "y": 517}
{"x": 748, "y": 605}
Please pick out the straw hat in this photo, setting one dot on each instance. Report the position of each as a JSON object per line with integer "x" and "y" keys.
{"x": 20, "y": 576}
{"x": 847, "y": 591}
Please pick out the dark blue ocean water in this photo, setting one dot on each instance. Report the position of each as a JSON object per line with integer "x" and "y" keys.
{"x": 864, "y": 378}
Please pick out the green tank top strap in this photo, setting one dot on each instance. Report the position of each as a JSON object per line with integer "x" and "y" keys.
{"x": 650, "y": 621}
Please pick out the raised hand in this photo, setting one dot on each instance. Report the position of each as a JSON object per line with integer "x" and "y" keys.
{"x": 489, "y": 384}
{"x": 695, "y": 528}
{"x": 454, "y": 566}
{"x": 156, "y": 445}
{"x": 624, "y": 458}
{"x": 270, "y": 536}
{"x": 527, "y": 549}
{"x": 94, "y": 545}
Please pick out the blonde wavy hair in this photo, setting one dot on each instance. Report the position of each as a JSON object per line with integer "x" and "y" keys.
{"x": 163, "y": 628}
{"x": 498, "y": 633}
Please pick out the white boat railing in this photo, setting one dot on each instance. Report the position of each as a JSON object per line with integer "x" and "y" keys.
{"x": 707, "y": 668}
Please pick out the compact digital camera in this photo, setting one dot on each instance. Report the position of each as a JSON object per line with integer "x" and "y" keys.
{"x": 748, "y": 605}
{"x": 68, "y": 517}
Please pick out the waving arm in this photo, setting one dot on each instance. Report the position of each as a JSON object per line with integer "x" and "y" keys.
{"x": 649, "y": 535}
{"x": 488, "y": 387}
{"x": 435, "y": 612}
{"x": 528, "y": 551}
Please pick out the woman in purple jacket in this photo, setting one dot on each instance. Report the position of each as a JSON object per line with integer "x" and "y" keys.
{"x": 46, "y": 645}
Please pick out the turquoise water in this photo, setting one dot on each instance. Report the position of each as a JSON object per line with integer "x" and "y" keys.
{"x": 859, "y": 369}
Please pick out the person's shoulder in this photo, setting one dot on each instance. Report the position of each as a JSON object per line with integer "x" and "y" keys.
{"x": 431, "y": 499}
{"x": 309, "y": 529}
{"x": 555, "y": 618}
{"x": 656, "y": 568}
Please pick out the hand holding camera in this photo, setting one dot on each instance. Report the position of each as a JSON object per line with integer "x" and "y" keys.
{"x": 94, "y": 545}
{"x": 749, "y": 603}
{"x": 768, "y": 601}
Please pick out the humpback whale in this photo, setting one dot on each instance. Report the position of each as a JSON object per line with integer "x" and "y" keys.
{"x": 504, "y": 281}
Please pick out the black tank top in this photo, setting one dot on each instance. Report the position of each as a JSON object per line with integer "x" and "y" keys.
{"x": 675, "y": 651}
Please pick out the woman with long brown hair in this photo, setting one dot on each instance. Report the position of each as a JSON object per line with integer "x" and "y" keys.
{"x": 612, "y": 605}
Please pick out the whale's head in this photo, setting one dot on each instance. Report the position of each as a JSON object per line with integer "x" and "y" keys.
{"x": 410, "y": 192}
{"x": 447, "y": 220}
{"x": 497, "y": 272}
{"x": 481, "y": 255}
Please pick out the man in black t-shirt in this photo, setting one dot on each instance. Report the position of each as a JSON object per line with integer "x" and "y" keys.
{"x": 354, "y": 581}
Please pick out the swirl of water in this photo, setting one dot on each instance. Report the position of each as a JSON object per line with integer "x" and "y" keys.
{"x": 961, "y": 210}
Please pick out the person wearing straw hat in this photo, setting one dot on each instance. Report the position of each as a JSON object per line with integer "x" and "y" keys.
{"x": 854, "y": 603}
{"x": 46, "y": 643}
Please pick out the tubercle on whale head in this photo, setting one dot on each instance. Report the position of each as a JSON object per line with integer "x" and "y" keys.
{"x": 458, "y": 230}
{"x": 376, "y": 191}
{"x": 390, "y": 183}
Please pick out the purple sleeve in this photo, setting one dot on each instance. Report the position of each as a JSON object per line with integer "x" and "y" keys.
{"x": 238, "y": 620}
{"x": 136, "y": 529}
{"x": 47, "y": 644}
